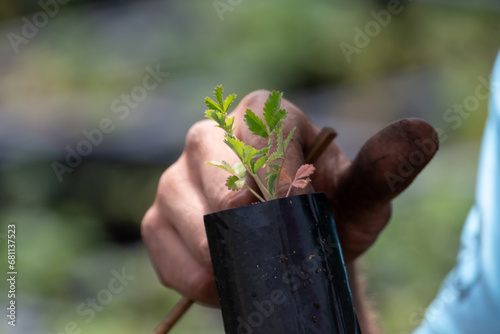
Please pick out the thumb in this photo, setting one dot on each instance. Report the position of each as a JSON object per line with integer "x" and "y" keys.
{"x": 387, "y": 164}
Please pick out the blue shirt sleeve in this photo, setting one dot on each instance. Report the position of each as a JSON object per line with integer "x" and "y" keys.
{"x": 469, "y": 299}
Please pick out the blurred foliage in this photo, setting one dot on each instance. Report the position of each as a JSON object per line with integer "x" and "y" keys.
{"x": 72, "y": 234}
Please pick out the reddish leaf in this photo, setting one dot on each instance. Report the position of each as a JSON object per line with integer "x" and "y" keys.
{"x": 302, "y": 183}
{"x": 284, "y": 176}
{"x": 304, "y": 171}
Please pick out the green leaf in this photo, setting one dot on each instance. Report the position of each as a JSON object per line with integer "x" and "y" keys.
{"x": 279, "y": 139}
{"x": 248, "y": 153}
{"x": 229, "y": 124}
{"x": 271, "y": 181}
{"x": 272, "y": 112}
{"x": 239, "y": 169}
{"x": 217, "y": 116}
{"x": 259, "y": 164}
{"x": 268, "y": 175}
{"x": 235, "y": 183}
{"x": 252, "y": 165}
{"x": 224, "y": 165}
{"x": 276, "y": 167}
{"x": 274, "y": 156}
{"x": 255, "y": 124}
{"x": 281, "y": 115}
{"x": 212, "y": 105}
{"x": 236, "y": 145}
{"x": 218, "y": 95}
{"x": 228, "y": 101}
{"x": 258, "y": 154}
{"x": 264, "y": 151}
{"x": 288, "y": 139}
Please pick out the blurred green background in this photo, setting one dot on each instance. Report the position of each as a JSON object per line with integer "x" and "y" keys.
{"x": 62, "y": 77}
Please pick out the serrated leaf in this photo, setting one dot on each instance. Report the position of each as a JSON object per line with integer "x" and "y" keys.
{"x": 211, "y": 104}
{"x": 288, "y": 139}
{"x": 271, "y": 182}
{"x": 217, "y": 116}
{"x": 258, "y": 154}
{"x": 284, "y": 176}
{"x": 218, "y": 95}
{"x": 274, "y": 156}
{"x": 304, "y": 171}
{"x": 276, "y": 167}
{"x": 272, "y": 112}
{"x": 279, "y": 140}
{"x": 255, "y": 124}
{"x": 252, "y": 165}
{"x": 271, "y": 108}
{"x": 235, "y": 183}
{"x": 259, "y": 164}
{"x": 239, "y": 169}
{"x": 301, "y": 183}
{"x": 269, "y": 174}
{"x": 236, "y": 145}
{"x": 224, "y": 165}
{"x": 229, "y": 124}
{"x": 281, "y": 115}
{"x": 228, "y": 101}
{"x": 248, "y": 153}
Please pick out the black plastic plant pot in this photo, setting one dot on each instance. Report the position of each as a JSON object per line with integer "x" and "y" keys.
{"x": 278, "y": 267}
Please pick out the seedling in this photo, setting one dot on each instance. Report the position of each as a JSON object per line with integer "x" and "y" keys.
{"x": 252, "y": 160}
{"x": 270, "y": 158}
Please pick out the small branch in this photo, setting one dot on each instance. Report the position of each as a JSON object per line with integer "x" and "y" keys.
{"x": 259, "y": 184}
{"x": 171, "y": 319}
{"x": 254, "y": 193}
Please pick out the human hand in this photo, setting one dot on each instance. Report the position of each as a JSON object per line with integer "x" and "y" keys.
{"x": 360, "y": 191}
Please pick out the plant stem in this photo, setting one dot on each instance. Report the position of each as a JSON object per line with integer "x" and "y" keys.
{"x": 259, "y": 184}
{"x": 255, "y": 193}
{"x": 278, "y": 178}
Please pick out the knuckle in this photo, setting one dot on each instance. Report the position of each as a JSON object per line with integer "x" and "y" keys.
{"x": 256, "y": 96}
{"x": 168, "y": 186}
{"x": 254, "y": 99}
{"x": 166, "y": 179}
{"x": 204, "y": 250}
{"x": 195, "y": 138}
{"x": 148, "y": 224}
{"x": 165, "y": 281}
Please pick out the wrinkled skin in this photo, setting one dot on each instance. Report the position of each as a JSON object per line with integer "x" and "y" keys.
{"x": 360, "y": 191}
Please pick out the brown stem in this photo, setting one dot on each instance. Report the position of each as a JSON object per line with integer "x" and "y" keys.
{"x": 171, "y": 319}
